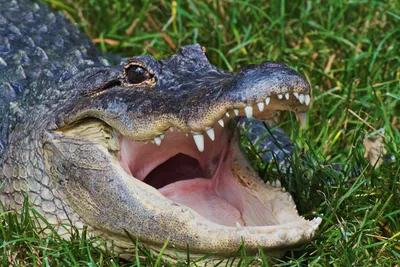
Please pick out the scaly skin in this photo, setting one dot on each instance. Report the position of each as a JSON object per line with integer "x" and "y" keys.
{"x": 66, "y": 115}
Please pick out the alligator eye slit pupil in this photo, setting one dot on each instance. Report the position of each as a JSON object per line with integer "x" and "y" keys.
{"x": 137, "y": 74}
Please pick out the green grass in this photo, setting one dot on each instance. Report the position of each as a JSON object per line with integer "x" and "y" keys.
{"x": 350, "y": 53}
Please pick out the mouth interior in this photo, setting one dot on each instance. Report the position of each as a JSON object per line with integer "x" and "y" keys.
{"x": 203, "y": 181}
{"x": 178, "y": 168}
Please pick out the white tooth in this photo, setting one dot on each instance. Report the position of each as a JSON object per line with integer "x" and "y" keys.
{"x": 267, "y": 100}
{"x": 171, "y": 129}
{"x": 178, "y": 130}
{"x": 310, "y": 230}
{"x": 239, "y": 226}
{"x": 282, "y": 235}
{"x": 221, "y": 122}
{"x": 307, "y": 99}
{"x": 300, "y": 232}
{"x": 294, "y": 207}
{"x": 260, "y": 106}
{"x": 186, "y": 134}
{"x": 157, "y": 140}
{"x": 249, "y": 111}
{"x": 236, "y": 111}
{"x": 287, "y": 96}
{"x": 289, "y": 198}
{"x": 227, "y": 114}
{"x": 278, "y": 183}
{"x": 303, "y": 119}
{"x": 296, "y": 95}
{"x": 162, "y": 136}
{"x": 317, "y": 220}
{"x": 301, "y": 98}
{"x": 199, "y": 140}
{"x": 273, "y": 183}
{"x": 211, "y": 134}
{"x": 268, "y": 183}
{"x": 283, "y": 189}
{"x": 280, "y": 96}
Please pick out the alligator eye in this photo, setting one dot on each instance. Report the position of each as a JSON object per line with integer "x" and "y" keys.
{"x": 137, "y": 74}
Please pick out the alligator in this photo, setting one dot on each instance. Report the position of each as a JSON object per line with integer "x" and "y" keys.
{"x": 148, "y": 147}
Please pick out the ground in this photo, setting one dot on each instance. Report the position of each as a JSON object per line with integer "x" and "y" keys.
{"x": 348, "y": 50}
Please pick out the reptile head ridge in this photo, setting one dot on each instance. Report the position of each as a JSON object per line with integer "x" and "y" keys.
{"x": 150, "y": 147}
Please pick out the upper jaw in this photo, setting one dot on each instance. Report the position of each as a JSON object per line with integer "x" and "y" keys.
{"x": 190, "y": 95}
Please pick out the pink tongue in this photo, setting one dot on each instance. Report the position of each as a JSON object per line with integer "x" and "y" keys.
{"x": 199, "y": 195}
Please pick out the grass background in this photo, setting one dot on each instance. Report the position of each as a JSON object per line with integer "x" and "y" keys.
{"x": 350, "y": 53}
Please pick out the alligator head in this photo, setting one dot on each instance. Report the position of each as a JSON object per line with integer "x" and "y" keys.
{"x": 149, "y": 148}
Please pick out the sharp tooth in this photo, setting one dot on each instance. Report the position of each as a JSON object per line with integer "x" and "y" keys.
{"x": 317, "y": 220}
{"x": 157, "y": 140}
{"x": 260, "y": 106}
{"x": 239, "y": 226}
{"x": 171, "y": 129}
{"x": 296, "y": 95}
{"x": 289, "y": 198}
{"x": 282, "y": 235}
{"x": 280, "y": 96}
{"x": 178, "y": 130}
{"x": 199, "y": 140}
{"x": 249, "y": 111}
{"x": 211, "y": 134}
{"x": 287, "y": 96}
{"x": 221, "y": 122}
{"x": 267, "y": 100}
{"x": 162, "y": 136}
{"x": 227, "y": 114}
{"x": 186, "y": 134}
{"x": 303, "y": 119}
{"x": 236, "y": 111}
{"x": 307, "y": 99}
{"x": 301, "y": 98}
{"x": 278, "y": 183}
{"x": 283, "y": 189}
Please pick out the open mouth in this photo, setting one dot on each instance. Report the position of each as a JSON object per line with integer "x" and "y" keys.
{"x": 204, "y": 174}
